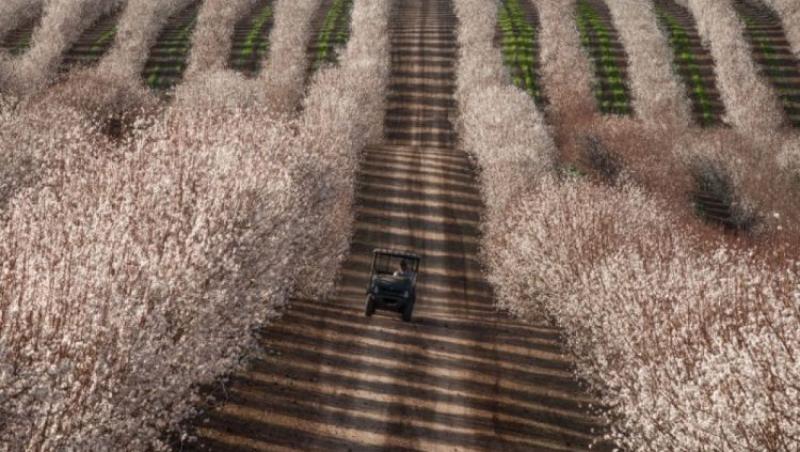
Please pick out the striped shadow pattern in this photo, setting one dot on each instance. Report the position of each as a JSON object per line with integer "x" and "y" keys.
{"x": 94, "y": 42}
{"x": 460, "y": 375}
{"x": 601, "y": 41}
{"x": 773, "y": 54}
{"x": 251, "y": 39}
{"x": 693, "y": 62}
{"x": 168, "y": 57}
{"x": 18, "y": 41}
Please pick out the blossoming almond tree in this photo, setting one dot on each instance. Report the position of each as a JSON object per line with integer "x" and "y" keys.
{"x": 212, "y": 38}
{"x": 138, "y": 30}
{"x": 342, "y": 113}
{"x": 161, "y": 251}
{"x": 281, "y": 83}
{"x": 62, "y": 25}
{"x": 187, "y": 235}
{"x": 789, "y": 158}
{"x": 576, "y": 122}
{"x": 284, "y": 72}
{"x": 658, "y": 97}
{"x": 691, "y": 342}
{"x": 666, "y": 157}
{"x": 566, "y": 70}
{"x": 27, "y": 134}
{"x": 507, "y": 135}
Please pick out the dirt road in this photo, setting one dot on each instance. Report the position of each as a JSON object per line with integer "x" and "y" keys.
{"x": 460, "y": 376}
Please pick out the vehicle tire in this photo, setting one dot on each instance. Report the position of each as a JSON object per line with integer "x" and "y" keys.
{"x": 370, "y": 306}
{"x": 408, "y": 309}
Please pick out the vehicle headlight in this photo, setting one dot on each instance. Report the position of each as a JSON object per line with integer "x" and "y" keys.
{"x": 375, "y": 290}
{"x": 405, "y": 294}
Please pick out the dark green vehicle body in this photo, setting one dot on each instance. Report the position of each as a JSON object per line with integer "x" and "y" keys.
{"x": 387, "y": 289}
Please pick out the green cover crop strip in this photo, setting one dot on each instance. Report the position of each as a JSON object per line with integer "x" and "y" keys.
{"x": 690, "y": 71}
{"x": 168, "y": 57}
{"x": 23, "y": 44}
{"x": 248, "y": 55}
{"x": 611, "y": 91}
{"x": 101, "y": 44}
{"x": 334, "y": 33}
{"x": 179, "y": 49}
{"x": 520, "y": 53}
{"x": 18, "y": 41}
{"x": 781, "y": 68}
{"x": 93, "y": 43}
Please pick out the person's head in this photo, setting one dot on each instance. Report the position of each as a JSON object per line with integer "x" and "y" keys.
{"x": 403, "y": 265}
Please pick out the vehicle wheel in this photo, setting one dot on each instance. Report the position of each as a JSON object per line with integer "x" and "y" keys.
{"x": 407, "y": 310}
{"x": 370, "y": 306}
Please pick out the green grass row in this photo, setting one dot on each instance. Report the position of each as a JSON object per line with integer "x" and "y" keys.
{"x": 692, "y": 75}
{"x": 762, "y": 43}
{"x": 179, "y": 49}
{"x": 610, "y": 88}
{"x": 102, "y": 42}
{"x": 256, "y": 44}
{"x": 519, "y": 47}
{"x": 773, "y": 68}
{"x": 21, "y": 44}
{"x": 334, "y": 33}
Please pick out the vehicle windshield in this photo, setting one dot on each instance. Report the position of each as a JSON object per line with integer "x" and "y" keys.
{"x": 387, "y": 264}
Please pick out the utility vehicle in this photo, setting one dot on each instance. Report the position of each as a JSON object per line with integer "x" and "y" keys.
{"x": 392, "y": 282}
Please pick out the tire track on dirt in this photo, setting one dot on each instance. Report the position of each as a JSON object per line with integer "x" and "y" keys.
{"x": 773, "y": 54}
{"x": 460, "y": 376}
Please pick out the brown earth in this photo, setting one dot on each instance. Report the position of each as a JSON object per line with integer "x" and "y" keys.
{"x": 460, "y": 376}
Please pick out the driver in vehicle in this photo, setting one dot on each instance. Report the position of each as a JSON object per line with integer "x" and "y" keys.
{"x": 404, "y": 271}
